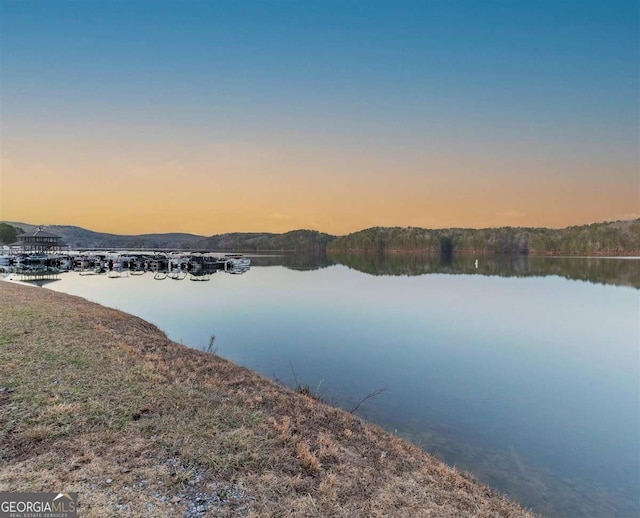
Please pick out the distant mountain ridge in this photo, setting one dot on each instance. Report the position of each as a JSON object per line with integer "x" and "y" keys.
{"x": 78, "y": 237}
{"x": 607, "y": 238}
{"x": 81, "y": 238}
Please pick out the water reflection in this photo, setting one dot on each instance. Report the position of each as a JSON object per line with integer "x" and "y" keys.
{"x": 297, "y": 261}
{"x": 601, "y": 270}
{"x": 604, "y": 270}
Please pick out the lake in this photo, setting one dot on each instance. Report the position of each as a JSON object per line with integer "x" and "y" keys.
{"x": 523, "y": 371}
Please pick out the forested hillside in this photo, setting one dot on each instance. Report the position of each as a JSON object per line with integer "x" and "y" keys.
{"x": 610, "y": 238}
{"x": 300, "y": 240}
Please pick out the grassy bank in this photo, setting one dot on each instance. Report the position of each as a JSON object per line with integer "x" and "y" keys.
{"x": 96, "y": 401}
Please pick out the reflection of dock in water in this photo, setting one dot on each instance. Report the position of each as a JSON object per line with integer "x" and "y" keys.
{"x": 38, "y": 277}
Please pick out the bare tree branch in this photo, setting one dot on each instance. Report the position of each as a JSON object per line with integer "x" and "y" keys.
{"x": 295, "y": 378}
{"x": 375, "y": 393}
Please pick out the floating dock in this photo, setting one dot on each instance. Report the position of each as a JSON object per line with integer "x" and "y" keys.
{"x": 173, "y": 265}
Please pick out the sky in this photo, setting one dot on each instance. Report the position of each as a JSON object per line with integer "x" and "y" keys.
{"x": 220, "y": 116}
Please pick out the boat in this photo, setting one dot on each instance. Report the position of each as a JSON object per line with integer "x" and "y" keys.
{"x": 236, "y": 261}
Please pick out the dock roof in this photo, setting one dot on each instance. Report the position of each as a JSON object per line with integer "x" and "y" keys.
{"x": 37, "y": 233}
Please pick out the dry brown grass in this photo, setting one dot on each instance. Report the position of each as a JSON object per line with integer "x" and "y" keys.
{"x": 307, "y": 458}
{"x": 102, "y": 403}
{"x": 37, "y": 433}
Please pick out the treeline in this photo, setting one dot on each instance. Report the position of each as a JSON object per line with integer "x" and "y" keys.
{"x": 610, "y": 238}
{"x": 300, "y": 240}
{"x": 9, "y": 233}
{"x": 390, "y": 239}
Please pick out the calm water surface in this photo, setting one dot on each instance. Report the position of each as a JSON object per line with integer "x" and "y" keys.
{"x": 526, "y": 379}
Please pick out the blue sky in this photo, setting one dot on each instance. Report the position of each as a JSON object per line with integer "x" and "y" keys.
{"x": 423, "y": 89}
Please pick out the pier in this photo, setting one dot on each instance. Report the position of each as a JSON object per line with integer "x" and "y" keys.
{"x": 41, "y": 265}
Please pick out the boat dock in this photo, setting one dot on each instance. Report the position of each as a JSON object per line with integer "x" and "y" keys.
{"x": 172, "y": 265}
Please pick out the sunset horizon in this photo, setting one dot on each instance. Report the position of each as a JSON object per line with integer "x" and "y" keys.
{"x": 116, "y": 231}
{"x": 266, "y": 117}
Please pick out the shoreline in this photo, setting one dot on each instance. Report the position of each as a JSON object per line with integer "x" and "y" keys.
{"x": 100, "y": 402}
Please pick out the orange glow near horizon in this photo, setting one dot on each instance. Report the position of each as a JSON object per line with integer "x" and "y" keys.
{"x": 243, "y": 189}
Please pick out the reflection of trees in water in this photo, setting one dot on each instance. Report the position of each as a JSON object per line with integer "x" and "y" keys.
{"x": 623, "y": 272}
{"x": 293, "y": 261}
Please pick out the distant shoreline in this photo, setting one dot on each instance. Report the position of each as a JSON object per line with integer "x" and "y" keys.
{"x": 612, "y": 238}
